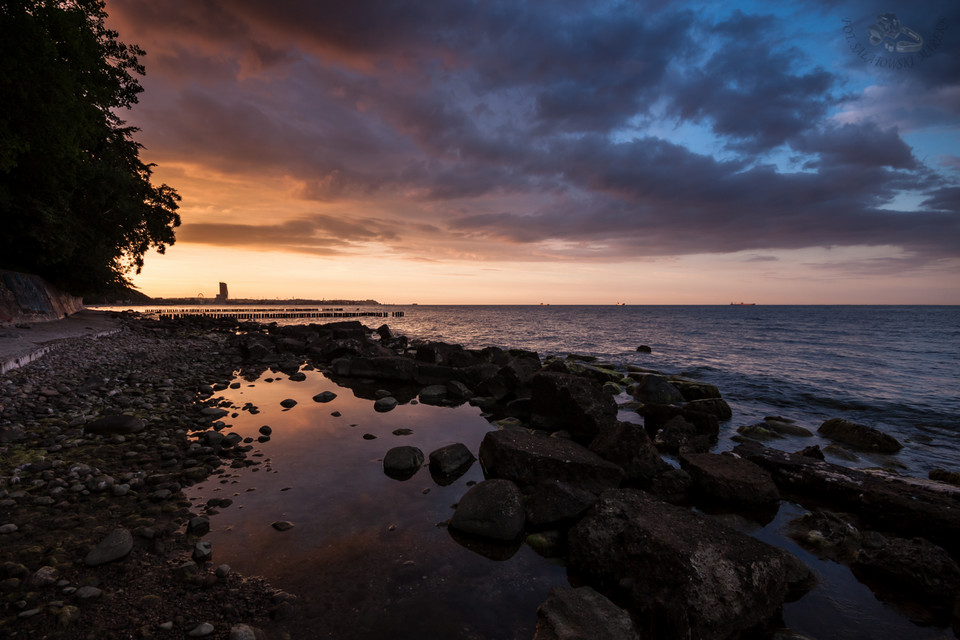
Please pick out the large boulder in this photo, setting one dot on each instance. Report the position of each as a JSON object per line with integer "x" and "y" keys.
{"x": 859, "y": 436}
{"x": 561, "y": 401}
{"x": 694, "y": 389}
{"x": 656, "y": 416}
{"x": 553, "y": 503}
{"x": 628, "y": 446}
{"x": 519, "y": 367}
{"x": 713, "y": 406}
{"x": 679, "y": 436}
{"x": 654, "y": 389}
{"x": 529, "y": 459}
{"x": 377, "y": 368}
{"x": 908, "y": 506}
{"x": 682, "y": 574}
{"x": 581, "y": 613}
{"x": 491, "y": 509}
{"x": 730, "y": 480}
{"x": 915, "y": 568}
{"x": 442, "y": 353}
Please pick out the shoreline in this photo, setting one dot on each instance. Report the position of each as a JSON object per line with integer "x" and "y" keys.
{"x": 64, "y": 490}
{"x": 68, "y": 490}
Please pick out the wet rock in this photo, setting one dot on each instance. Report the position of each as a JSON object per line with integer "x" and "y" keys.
{"x": 386, "y": 367}
{"x": 382, "y": 405}
{"x": 202, "y": 552}
{"x": 655, "y": 389}
{"x": 577, "y": 614}
{"x": 730, "y": 480}
{"x": 8, "y": 528}
{"x": 786, "y": 427}
{"x": 288, "y": 403}
{"x": 812, "y": 451}
{"x": 908, "y": 506}
{"x": 433, "y": 394}
{"x": 450, "y": 462}
{"x": 528, "y": 459}
{"x": 713, "y": 406}
{"x": 672, "y": 486}
{"x": 759, "y": 432}
{"x": 914, "y": 567}
{"x": 828, "y": 535}
{"x": 837, "y": 451}
{"x": 491, "y": 509}
{"x": 942, "y": 475}
{"x": 117, "y": 424}
{"x": 115, "y": 546}
{"x": 324, "y": 396}
{"x": 628, "y": 446}
{"x": 656, "y": 416}
{"x": 214, "y": 413}
{"x": 282, "y": 525}
{"x": 561, "y": 401}
{"x": 198, "y": 526}
{"x": 401, "y": 463}
{"x": 555, "y": 503}
{"x": 859, "y": 436}
{"x": 683, "y": 575}
{"x": 678, "y": 435}
{"x": 694, "y": 389}
{"x": 644, "y": 349}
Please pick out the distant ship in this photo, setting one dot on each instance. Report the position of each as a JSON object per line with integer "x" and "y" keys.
{"x": 743, "y": 304}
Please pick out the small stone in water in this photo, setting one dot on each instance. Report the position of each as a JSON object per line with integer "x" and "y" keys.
{"x": 288, "y": 403}
{"x": 282, "y": 525}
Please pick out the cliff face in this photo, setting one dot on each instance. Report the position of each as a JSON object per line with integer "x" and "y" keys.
{"x": 29, "y": 298}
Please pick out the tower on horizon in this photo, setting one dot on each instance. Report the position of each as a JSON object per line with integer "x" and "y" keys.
{"x": 222, "y": 296}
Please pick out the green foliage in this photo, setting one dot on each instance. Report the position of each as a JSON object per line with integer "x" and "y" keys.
{"x": 76, "y": 202}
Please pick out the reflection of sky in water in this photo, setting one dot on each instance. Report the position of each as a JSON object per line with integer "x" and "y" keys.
{"x": 355, "y": 577}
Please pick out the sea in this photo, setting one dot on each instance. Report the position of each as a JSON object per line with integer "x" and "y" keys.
{"x": 370, "y": 556}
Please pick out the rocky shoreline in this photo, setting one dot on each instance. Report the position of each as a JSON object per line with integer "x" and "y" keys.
{"x": 563, "y": 475}
{"x": 94, "y": 450}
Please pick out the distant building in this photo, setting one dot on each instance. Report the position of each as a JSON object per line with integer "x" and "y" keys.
{"x": 222, "y": 296}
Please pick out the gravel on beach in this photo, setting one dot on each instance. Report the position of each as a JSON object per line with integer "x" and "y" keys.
{"x": 94, "y": 535}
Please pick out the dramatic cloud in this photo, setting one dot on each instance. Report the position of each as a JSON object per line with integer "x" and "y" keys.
{"x": 586, "y": 131}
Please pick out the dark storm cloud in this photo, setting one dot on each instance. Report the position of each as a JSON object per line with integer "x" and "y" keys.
{"x": 451, "y": 105}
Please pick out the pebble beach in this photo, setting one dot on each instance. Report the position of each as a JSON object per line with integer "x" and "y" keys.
{"x": 97, "y": 537}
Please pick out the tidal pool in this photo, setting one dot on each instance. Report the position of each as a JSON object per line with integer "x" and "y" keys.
{"x": 368, "y": 555}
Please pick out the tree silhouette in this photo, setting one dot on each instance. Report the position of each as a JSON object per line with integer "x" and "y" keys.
{"x": 76, "y": 202}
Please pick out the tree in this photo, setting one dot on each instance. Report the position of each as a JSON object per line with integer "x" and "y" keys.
{"x": 76, "y": 202}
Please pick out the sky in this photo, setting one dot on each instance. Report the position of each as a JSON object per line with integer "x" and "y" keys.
{"x": 561, "y": 152}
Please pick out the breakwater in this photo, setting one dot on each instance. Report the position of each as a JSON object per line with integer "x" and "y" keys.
{"x": 267, "y": 313}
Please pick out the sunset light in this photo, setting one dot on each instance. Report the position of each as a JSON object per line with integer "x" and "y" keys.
{"x": 681, "y": 154}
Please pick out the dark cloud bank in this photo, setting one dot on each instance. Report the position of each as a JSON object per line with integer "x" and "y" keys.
{"x": 463, "y": 108}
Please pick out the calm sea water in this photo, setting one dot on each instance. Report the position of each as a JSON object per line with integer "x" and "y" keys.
{"x": 369, "y": 555}
{"x": 896, "y": 368}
